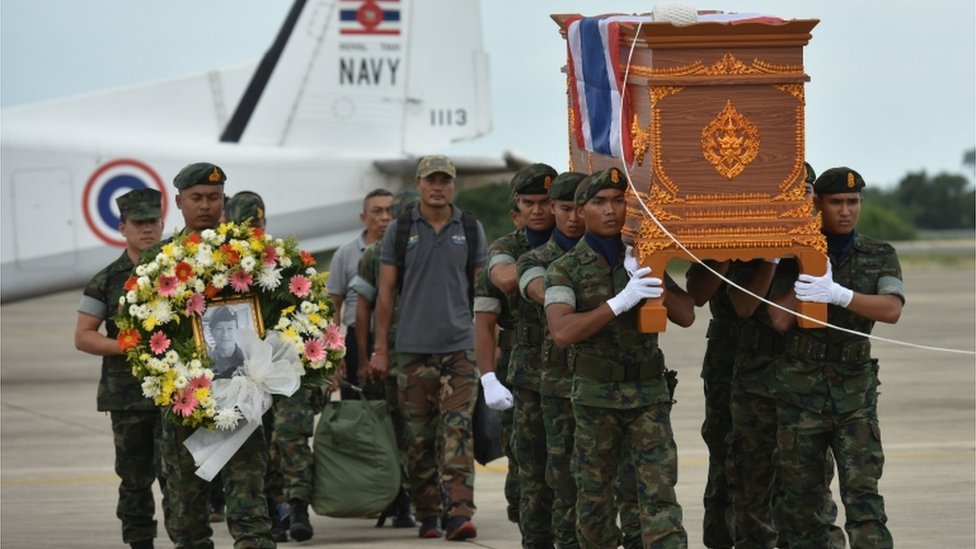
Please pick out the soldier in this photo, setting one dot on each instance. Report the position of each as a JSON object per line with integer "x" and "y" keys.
{"x": 375, "y": 218}
{"x": 530, "y": 189}
{"x": 364, "y": 284}
{"x": 135, "y": 419}
{"x": 555, "y": 382}
{"x": 494, "y": 327}
{"x": 620, "y": 396}
{"x": 288, "y": 426}
{"x": 200, "y": 199}
{"x": 441, "y": 257}
{"x": 827, "y": 381}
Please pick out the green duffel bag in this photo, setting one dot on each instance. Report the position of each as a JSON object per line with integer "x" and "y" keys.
{"x": 357, "y": 469}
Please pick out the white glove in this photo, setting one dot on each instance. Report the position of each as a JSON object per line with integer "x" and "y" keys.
{"x": 637, "y": 288}
{"x": 497, "y": 397}
{"x": 822, "y": 289}
{"x": 630, "y": 262}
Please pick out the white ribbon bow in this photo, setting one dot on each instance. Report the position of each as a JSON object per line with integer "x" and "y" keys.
{"x": 271, "y": 366}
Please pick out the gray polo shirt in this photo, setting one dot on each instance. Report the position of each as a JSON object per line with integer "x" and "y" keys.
{"x": 434, "y": 315}
{"x": 344, "y": 266}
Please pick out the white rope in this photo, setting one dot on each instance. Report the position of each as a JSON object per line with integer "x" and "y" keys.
{"x": 674, "y": 239}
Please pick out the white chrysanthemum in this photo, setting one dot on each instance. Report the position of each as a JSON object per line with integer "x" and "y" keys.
{"x": 162, "y": 311}
{"x": 195, "y": 365}
{"x": 130, "y": 297}
{"x": 284, "y": 260}
{"x": 151, "y": 386}
{"x": 156, "y": 366}
{"x": 247, "y": 263}
{"x": 140, "y": 270}
{"x": 269, "y": 278}
{"x": 283, "y": 323}
{"x": 144, "y": 282}
{"x": 172, "y": 357}
{"x": 310, "y": 271}
{"x": 152, "y": 268}
{"x": 199, "y": 285}
{"x": 307, "y": 307}
{"x": 204, "y": 256}
{"x": 227, "y": 418}
{"x": 219, "y": 280}
{"x": 138, "y": 311}
{"x": 180, "y": 381}
{"x": 210, "y": 235}
{"x": 178, "y": 252}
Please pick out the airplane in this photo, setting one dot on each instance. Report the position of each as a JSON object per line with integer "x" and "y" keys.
{"x": 346, "y": 99}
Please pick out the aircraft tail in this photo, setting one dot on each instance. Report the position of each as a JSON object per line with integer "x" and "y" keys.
{"x": 377, "y": 77}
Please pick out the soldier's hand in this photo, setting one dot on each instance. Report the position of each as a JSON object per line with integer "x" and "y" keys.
{"x": 497, "y": 397}
{"x": 822, "y": 289}
{"x": 379, "y": 365}
{"x": 637, "y": 288}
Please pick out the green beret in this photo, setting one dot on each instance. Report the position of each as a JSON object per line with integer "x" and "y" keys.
{"x": 811, "y": 175}
{"x": 435, "y": 163}
{"x": 564, "y": 186}
{"x": 838, "y": 180}
{"x": 244, "y": 205}
{"x": 140, "y": 204}
{"x": 404, "y": 201}
{"x": 533, "y": 179}
{"x": 200, "y": 173}
{"x": 611, "y": 178}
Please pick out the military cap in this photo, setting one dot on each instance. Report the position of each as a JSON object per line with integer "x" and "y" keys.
{"x": 533, "y": 179}
{"x": 244, "y": 205}
{"x": 223, "y": 314}
{"x": 199, "y": 173}
{"x": 611, "y": 178}
{"x": 565, "y": 184}
{"x": 838, "y": 180}
{"x": 404, "y": 201}
{"x": 140, "y": 204}
{"x": 435, "y": 163}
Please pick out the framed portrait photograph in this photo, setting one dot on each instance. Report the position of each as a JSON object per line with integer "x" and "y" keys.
{"x": 218, "y": 332}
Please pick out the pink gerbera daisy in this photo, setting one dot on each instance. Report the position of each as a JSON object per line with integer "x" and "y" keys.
{"x": 241, "y": 281}
{"x": 158, "y": 343}
{"x": 185, "y": 403}
{"x": 198, "y": 382}
{"x": 196, "y": 305}
{"x": 270, "y": 255}
{"x": 333, "y": 338}
{"x": 300, "y": 285}
{"x": 167, "y": 285}
{"x": 314, "y": 350}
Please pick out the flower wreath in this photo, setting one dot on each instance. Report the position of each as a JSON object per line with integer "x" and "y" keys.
{"x": 171, "y": 290}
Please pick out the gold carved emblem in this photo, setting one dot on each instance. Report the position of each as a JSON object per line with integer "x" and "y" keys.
{"x": 850, "y": 180}
{"x": 614, "y": 175}
{"x": 730, "y": 142}
{"x": 214, "y": 175}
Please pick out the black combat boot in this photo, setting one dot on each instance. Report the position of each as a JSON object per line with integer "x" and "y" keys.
{"x": 404, "y": 518}
{"x": 299, "y": 527}
{"x": 278, "y": 530}
{"x": 144, "y": 544}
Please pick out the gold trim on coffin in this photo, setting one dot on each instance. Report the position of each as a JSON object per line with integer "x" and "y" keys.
{"x": 730, "y": 142}
{"x": 728, "y": 65}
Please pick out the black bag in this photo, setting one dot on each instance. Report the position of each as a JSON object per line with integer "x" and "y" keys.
{"x": 487, "y": 427}
{"x": 357, "y": 466}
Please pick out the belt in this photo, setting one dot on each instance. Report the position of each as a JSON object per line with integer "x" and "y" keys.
{"x": 506, "y": 339}
{"x": 762, "y": 340}
{"x": 528, "y": 334}
{"x": 722, "y": 329}
{"x": 601, "y": 369}
{"x": 851, "y": 352}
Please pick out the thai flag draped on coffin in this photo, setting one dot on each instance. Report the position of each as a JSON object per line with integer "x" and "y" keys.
{"x": 596, "y": 82}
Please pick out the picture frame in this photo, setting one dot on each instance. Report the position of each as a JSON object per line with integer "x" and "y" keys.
{"x": 244, "y": 309}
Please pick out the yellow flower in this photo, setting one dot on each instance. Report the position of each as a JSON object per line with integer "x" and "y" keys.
{"x": 256, "y": 245}
{"x": 288, "y": 310}
{"x": 224, "y": 228}
{"x": 291, "y": 334}
{"x": 201, "y": 393}
{"x": 315, "y": 318}
{"x": 168, "y": 249}
{"x": 150, "y": 323}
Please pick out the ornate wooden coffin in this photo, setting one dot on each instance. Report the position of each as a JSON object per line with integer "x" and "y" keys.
{"x": 712, "y": 119}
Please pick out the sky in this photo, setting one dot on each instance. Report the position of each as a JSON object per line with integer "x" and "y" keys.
{"x": 892, "y": 90}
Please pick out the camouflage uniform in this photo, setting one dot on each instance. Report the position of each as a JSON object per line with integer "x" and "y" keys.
{"x": 524, "y": 374}
{"x": 827, "y": 389}
{"x": 293, "y": 426}
{"x": 621, "y": 406}
{"x": 135, "y": 419}
{"x": 716, "y": 374}
{"x": 488, "y": 298}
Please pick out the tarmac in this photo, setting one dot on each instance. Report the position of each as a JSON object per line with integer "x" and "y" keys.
{"x": 58, "y": 488}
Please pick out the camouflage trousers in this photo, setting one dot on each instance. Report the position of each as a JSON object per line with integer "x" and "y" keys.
{"x": 136, "y": 435}
{"x": 803, "y": 440}
{"x": 437, "y": 397}
{"x": 718, "y": 519}
{"x": 756, "y": 497}
{"x": 392, "y": 394}
{"x": 512, "y": 493}
{"x": 293, "y": 426}
{"x": 243, "y": 477}
{"x": 628, "y": 506}
{"x": 535, "y": 505}
{"x": 604, "y": 439}
{"x": 557, "y": 414}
